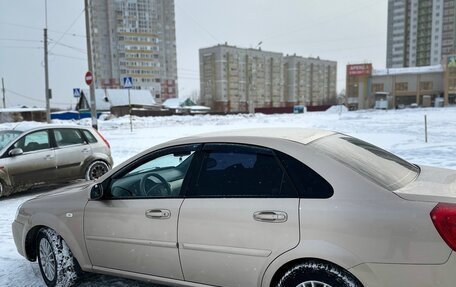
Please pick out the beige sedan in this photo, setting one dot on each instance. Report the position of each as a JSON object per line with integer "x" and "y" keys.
{"x": 265, "y": 207}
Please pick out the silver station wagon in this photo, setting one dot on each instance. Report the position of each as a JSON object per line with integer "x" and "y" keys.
{"x": 265, "y": 208}
{"x": 50, "y": 154}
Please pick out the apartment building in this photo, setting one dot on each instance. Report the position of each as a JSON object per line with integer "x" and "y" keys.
{"x": 235, "y": 79}
{"x": 239, "y": 80}
{"x": 420, "y": 32}
{"x": 309, "y": 81}
{"x": 135, "y": 38}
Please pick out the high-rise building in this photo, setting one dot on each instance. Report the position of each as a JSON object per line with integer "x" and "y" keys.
{"x": 420, "y": 32}
{"x": 135, "y": 38}
{"x": 240, "y": 80}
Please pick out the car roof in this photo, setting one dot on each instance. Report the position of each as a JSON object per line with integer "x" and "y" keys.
{"x": 301, "y": 135}
{"x": 26, "y": 127}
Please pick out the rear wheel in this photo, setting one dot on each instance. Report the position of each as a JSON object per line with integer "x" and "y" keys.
{"x": 57, "y": 264}
{"x": 317, "y": 274}
{"x": 96, "y": 169}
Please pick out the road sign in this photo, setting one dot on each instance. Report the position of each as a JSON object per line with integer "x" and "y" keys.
{"x": 89, "y": 78}
{"x": 127, "y": 82}
{"x": 76, "y": 92}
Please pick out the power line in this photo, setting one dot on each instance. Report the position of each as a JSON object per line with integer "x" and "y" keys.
{"x": 22, "y": 96}
{"x": 37, "y": 28}
{"x": 66, "y": 31}
{"x": 21, "y": 47}
{"x": 20, "y": 40}
{"x": 32, "y": 99}
{"x": 66, "y": 56}
{"x": 71, "y": 47}
{"x": 197, "y": 23}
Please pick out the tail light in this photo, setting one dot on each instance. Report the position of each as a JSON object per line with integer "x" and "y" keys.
{"x": 102, "y": 137}
{"x": 444, "y": 218}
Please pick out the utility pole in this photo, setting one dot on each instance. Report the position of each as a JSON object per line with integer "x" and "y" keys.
{"x": 93, "y": 105}
{"x": 46, "y": 68}
{"x": 3, "y": 91}
{"x": 46, "y": 77}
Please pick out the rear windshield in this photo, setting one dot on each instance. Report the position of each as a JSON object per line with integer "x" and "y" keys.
{"x": 380, "y": 166}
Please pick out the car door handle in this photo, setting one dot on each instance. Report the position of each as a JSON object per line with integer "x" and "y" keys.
{"x": 48, "y": 157}
{"x": 158, "y": 213}
{"x": 270, "y": 216}
{"x": 86, "y": 150}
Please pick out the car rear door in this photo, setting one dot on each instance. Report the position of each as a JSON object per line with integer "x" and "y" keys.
{"x": 37, "y": 163}
{"x": 240, "y": 213}
{"x": 71, "y": 153}
{"x": 134, "y": 227}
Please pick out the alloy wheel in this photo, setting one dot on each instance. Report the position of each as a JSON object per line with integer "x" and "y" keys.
{"x": 313, "y": 283}
{"x": 47, "y": 259}
{"x": 98, "y": 170}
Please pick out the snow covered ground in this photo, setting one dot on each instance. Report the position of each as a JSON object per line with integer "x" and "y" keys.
{"x": 399, "y": 131}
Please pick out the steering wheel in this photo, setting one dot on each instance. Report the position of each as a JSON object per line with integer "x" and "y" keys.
{"x": 161, "y": 188}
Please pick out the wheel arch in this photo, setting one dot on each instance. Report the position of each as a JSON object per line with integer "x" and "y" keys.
{"x": 87, "y": 162}
{"x": 75, "y": 243}
{"x": 287, "y": 266}
{"x": 307, "y": 251}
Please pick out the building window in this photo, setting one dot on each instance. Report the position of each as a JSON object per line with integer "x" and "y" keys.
{"x": 426, "y": 86}
{"x": 377, "y": 88}
{"x": 452, "y": 84}
{"x": 401, "y": 87}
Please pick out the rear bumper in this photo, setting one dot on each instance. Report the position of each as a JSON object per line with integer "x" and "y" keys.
{"x": 403, "y": 275}
{"x": 18, "y": 234}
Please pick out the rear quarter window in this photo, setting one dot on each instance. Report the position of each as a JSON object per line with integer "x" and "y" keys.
{"x": 309, "y": 183}
{"x": 66, "y": 137}
{"x": 89, "y": 136}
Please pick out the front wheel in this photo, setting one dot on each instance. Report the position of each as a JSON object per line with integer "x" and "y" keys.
{"x": 317, "y": 274}
{"x": 57, "y": 264}
{"x": 96, "y": 169}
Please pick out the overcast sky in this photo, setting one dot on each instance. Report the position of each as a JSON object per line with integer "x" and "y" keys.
{"x": 346, "y": 31}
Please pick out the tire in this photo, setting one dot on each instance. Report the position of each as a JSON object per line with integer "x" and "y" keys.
{"x": 96, "y": 169}
{"x": 57, "y": 265}
{"x": 317, "y": 274}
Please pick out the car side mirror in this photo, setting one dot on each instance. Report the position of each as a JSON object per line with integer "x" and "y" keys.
{"x": 96, "y": 192}
{"x": 15, "y": 152}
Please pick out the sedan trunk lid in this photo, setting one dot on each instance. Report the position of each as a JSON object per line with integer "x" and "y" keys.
{"x": 432, "y": 185}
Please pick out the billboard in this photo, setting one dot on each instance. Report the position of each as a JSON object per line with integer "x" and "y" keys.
{"x": 359, "y": 70}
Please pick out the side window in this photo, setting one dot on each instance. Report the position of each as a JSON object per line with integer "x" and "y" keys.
{"x": 89, "y": 136}
{"x": 240, "y": 171}
{"x": 309, "y": 183}
{"x": 65, "y": 137}
{"x": 159, "y": 175}
{"x": 34, "y": 141}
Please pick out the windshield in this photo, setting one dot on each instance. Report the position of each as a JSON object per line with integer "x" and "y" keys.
{"x": 380, "y": 166}
{"x": 7, "y": 137}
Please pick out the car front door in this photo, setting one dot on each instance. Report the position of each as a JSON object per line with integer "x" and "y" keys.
{"x": 36, "y": 164}
{"x": 71, "y": 153}
{"x": 239, "y": 214}
{"x": 133, "y": 228}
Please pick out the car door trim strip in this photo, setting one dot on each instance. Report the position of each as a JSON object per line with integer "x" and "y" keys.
{"x": 134, "y": 241}
{"x": 226, "y": 249}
